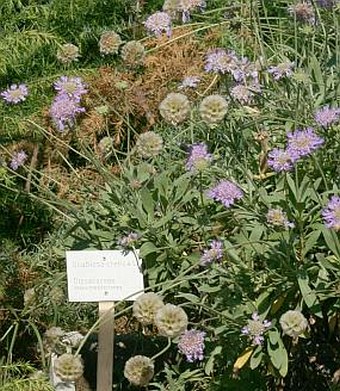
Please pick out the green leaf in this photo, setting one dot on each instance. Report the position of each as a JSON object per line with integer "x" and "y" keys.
{"x": 310, "y": 242}
{"x": 277, "y": 352}
{"x": 256, "y": 357}
{"x": 147, "y": 202}
{"x": 209, "y": 366}
{"x": 309, "y": 296}
{"x": 147, "y": 248}
{"x": 332, "y": 241}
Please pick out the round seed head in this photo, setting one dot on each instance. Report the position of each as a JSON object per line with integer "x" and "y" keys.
{"x": 68, "y": 53}
{"x": 146, "y": 306}
{"x": 139, "y": 370}
{"x": 149, "y": 144}
{"x": 109, "y": 42}
{"x": 68, "y": 367}
{"x": 133, "y": 53}
{"x": 175, "y": 108}
{"x": 293, "y": 323}
{"x": 171, "y": 320}
{"x": 213, "y": 108}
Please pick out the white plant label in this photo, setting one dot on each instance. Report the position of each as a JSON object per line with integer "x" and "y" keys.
{"x": 104, "y": 275}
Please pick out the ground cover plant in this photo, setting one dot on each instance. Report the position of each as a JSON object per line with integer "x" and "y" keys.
{"x": 206, "y": 135}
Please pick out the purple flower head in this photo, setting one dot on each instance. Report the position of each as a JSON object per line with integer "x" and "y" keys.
{"x": 63, "y": 111}
{"x": 18, "y": 160}
{"x": 255, "y": 329}
{"x": 129, "y": 240}
{"x": 158, "y": 23}
{"x": 187, "y": 6}
{"x": 302, "y": 143}
{"x": 15, "y": 93}
{"x": 190, "y": 82}
{"x": 284, "y": 69}
{"x": 225, "y": 192}
{"x": 214, "y": 253}
{"x": 277, "y": 217}
{"x": 327, "y": 116}
{"x": 242, "y": 94}
{"x": 326, "y": 3}
{"x": 280, "y": 160}
{"x": 191, "y": 344}
{"x": 220, "y": 61}
{"x": 303, "y": 12}
{"x": 331, "y": 213}
{"x": 199, "y": 158}
{"x": 245, "y": 69}
{"x": 70, "y": 86}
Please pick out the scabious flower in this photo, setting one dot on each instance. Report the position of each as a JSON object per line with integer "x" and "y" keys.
{"x": 133, "y": 53}
{"x": 214, "y": 253}
{"x": 302, "y": 143}
{"x": 149, "y": 144}
{"x": 68, "y": 367}
{"x": 326, "y": 116}
{"x": 129, "y": 240}
{"x": 146, "y": 306}
{"x": 71, "y": 86}
{"x": 255, "y": 329}
{"x": 191, "y": 344}
{"x": 225, "y": 192}
{"x": 188, "y": 6}
{"x": 199, "y": 158}
{"x": 245, "y": 69}
{"x": 109, "y": 42}
{"x": 18, "y": 160}
{"x": 220, "y": 61}
{"x": 175, "y": 108}
{"x": 280, "y": 160}
{"x": 63, "y": 111}
{"x": 278, "y": 218}
{"x": 139, "y": 370}
{"x": 242, "y": 94}
{"x": 15, "y": 93}
{"x": 303, "y": 12}
{"x": 158, "y": 23}
{"x": 68, "y": 53}
{"x": 105, "y": 146}
{"x": 284, "y": 69}
{"x": 293, "y": 323}
{"x": 171, "y": 320}
{"x": 190, "y": 82}
{"x": 213, "y": 109}
{"x": 331, "y": 214}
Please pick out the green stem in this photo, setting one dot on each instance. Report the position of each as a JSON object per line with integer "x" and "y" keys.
{"x": 162, "y": 351}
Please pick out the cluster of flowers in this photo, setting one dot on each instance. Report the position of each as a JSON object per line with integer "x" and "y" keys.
{"x": 66, "y": 105}
{"x": 292, "y": 322}
{"x": 171, "y": 321}
{"x": 161, "y": 21}
{"x": 303, "y": 11}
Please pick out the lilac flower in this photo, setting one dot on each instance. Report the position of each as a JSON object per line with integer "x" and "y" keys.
{"x": 220, "y": 61}
{"x": 242, "y": 94}
{"x": 303, "y": 12}
{"x": 190, "y": 82}
{"x": 191, "y": 344}
{"x": 15, "y": 93}
{"x": 64, "y": 110}
{"x": 278, "y": 218}
{"x": 226, "y": 192}
{"x": 158, "y": 23}
{"x": 214, "y": 253}
{"x": 73, "y": 87}
{"x": 280, "y": 160}
{"x": 256, "y": 328}
{"x": 18, "y": 160}
{"x": 302, "y": 143}
{"x": 129, "y": 240}
{"x": 331, "y": 214}
{"x": 326, "y": 3}
{"x": 284, "y": 69}
{"x": 245, "y": 69}
{"x": 199, "y": 158}
{"x": 327, "y": 116}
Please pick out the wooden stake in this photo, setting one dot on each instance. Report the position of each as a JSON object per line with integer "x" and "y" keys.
{"x": 105, "y": 346}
